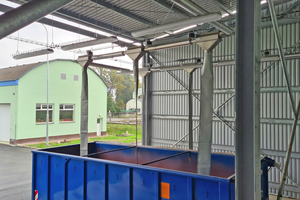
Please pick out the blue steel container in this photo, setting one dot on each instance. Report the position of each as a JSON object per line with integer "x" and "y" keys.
{"x": 120, "y": 172}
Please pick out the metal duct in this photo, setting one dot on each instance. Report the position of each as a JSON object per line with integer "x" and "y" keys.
{"x": 24, "y": 15}
{"x": 84, "y": 61}
{"x": 207, "y": 43}
{"x": 177, "y": 25}
{"x": 135, "y": 54}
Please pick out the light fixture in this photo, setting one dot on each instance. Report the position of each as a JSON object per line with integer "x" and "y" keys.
{"x": 159, "y": 37}
{"x": 88, "y": 43}
{"x": 33, "y": 53}
{"x": 186, "y": 28}
{"x": 225, "y": 15}
{"x": 109, "y": 55}
{"x": 177, "y": 25}
{"x": 263, "y": 2}
{"x": 233, "y": 12}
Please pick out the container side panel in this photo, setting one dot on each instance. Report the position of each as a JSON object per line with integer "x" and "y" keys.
{"x": 206, "y": 189}
{"x": 145, "y": 184}
{"x": 75, "y": 179}
{"x": 175, "y": 186}
{"x": 57, "y": 177}
{"x": 41, "y": 175}
{"x": 95, "y": 179}
{"x": 118, "y": 182}
{"x": 222, "y": 165}
{"x": 126, "y": 155}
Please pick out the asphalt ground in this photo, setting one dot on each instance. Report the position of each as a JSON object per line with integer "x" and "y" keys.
{"x": 15, "y": 173}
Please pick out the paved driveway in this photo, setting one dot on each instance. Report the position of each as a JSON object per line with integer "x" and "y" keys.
{"x": 15, "y": 173}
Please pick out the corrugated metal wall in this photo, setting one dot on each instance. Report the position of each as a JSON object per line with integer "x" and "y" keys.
{"x": 170, "y": 100}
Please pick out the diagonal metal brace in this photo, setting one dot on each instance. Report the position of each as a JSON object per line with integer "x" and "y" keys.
{"x": 195, "y": 95}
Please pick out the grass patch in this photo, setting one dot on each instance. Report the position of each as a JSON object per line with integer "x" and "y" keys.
{"x": 112, "y": 131}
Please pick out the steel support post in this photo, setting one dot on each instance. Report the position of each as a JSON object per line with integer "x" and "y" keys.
{"x": 29, "y": 12}
{"x": 288, "y": 152}
{"x": 145, "y": 100}
{"x": 84, "y": 61}
{"x": 247, "y": 137}
{"x": 280, "y": 51}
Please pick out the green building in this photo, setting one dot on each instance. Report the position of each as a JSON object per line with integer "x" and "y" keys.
{"x": 23, "y": 102}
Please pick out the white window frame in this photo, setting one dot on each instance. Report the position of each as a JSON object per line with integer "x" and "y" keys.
{"x": 44, "y": 109}
{"x": 66, "y": 109}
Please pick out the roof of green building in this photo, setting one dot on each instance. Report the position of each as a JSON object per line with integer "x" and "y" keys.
{"x": 16, "y": 72}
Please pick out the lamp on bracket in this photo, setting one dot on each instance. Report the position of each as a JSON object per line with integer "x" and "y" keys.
{"x": 88, "y": 43}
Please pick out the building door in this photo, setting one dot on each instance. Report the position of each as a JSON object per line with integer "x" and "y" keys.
{"x": 4, "y": 122}
{"x": 99, "y": 127}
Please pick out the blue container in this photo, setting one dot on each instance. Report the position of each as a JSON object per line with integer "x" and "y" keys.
{"x": 110, "y": 172}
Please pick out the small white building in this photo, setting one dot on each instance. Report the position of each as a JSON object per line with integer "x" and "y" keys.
{"x": 131, "y": 105}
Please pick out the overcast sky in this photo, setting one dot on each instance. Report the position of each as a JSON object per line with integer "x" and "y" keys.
{"x": 37, "y": 32}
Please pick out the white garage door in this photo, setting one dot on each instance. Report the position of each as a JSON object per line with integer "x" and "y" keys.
{"x": 4, "y": 122}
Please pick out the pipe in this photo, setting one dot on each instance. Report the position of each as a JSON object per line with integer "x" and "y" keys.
{"x": 108, "y": 67}
{"x": 191, "y": 140}
{"x": 26, "y": 14}
{"x": 177, "y": 25}
{"x": 288, "y": 152}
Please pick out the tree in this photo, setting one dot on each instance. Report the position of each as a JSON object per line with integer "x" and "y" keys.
{"x": 113, "y": 80}
{"x": 121, "y": 86}
{"x": 110, "y": 104}
{"x": 125, "y": 94}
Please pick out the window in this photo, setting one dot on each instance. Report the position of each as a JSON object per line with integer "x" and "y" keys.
{"x": 66, "y": 113}
{"x": 41, "y": 113}
{"x": 63, "y": 76}
{"x": 75, "y": 77}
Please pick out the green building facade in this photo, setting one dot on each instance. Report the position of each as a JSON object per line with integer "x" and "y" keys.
{"x": 23, "y": 102}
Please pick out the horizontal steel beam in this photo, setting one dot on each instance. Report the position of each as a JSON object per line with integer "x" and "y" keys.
{"x": 26, "y": 14}
{"x": 63, "y": 26}
{"x": 267, "y": 152}
{"x": 222, "y": 91}
{"x": 215, "y": 64}
{"x": 227, "y": 119}
{"x": 290, "y": 188}
{"x": 166, "y": 5}
{"x": 123, "y": 11}
{"x": 81, "y": 19}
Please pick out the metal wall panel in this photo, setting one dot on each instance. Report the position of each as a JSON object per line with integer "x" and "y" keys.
{"x": 170, "y": 100}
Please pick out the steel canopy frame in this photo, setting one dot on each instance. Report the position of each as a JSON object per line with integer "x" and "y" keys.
{"x": 26, "y": 14}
